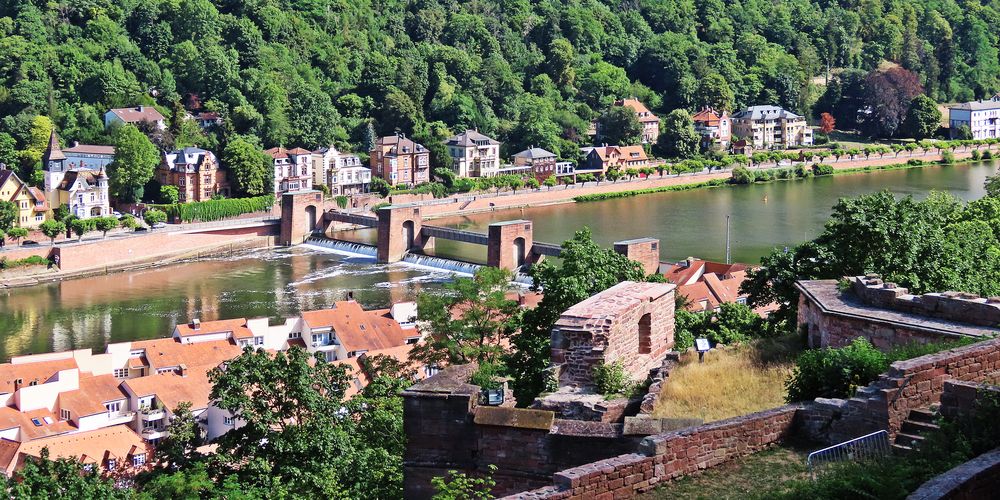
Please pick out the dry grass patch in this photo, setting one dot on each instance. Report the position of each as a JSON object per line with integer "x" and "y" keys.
{"x": 731, "y": 382}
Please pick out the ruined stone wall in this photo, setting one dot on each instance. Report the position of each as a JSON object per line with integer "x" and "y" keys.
{"x": 631, "y": 323}
{"x": 976, "y": 479}
{"x": 828, "y": 330}
{"x": 910, "y": 384}
{"x": 953, "y": 306}
{"x": 670, "y": 455}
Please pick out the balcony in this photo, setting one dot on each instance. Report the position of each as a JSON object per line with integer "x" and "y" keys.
{"x": 150, "y": 414}
{"x": 153, "y": 433}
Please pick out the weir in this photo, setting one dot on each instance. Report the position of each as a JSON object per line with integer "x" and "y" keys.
{"x": 402, "y": 235}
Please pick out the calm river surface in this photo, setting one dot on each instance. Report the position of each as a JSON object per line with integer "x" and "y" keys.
{"x": 90, "y": 312}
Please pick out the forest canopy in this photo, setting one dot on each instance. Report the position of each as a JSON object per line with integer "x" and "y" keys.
{"x": 314, "y": 72}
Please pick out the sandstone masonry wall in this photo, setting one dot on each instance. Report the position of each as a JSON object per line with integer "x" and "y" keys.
{"x": 953, "y": 306}
{"x": 910, "y": 384}
{"x": 976, "y": 479}
{"x": 670, "y": 455}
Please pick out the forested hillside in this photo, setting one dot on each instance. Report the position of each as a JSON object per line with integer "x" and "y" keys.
{"x": 311, "y": 72}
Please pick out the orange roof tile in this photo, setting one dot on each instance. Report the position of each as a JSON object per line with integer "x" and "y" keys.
{"x": 12, "y": 417}
{"x": 94, "y": 391}
{"x": 38, "y": 371}
{"x": 168, "y": 353}
{"x": 172, "y": 389}
{"x": 117, "y": 441}
{"x": 645, "y": 115}
{"x": 236, "y": 326}
{"x": 357, "y": 329}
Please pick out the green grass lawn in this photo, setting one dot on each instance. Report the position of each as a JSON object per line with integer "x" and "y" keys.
{"x": 748, "y": 477}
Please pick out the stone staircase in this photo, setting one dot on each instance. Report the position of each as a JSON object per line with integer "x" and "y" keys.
{"x": 918, "y": 424}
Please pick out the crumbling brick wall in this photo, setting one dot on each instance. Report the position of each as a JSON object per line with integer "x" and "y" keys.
{"x": 670, "y": 455}
{"x": 910, "y": 384}
{"x": 631, "y": 323}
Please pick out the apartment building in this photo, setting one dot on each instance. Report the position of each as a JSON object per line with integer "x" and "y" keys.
{"x": 292, "y": 169}
{"x": 541, "y": 162}
{"x": 195, "y": 172}
{"x": 110, "y": 409}
{"x": 474, "y": 154}
{"x": 400, "y": 161}
{"x": 982, "y": 118}
{"x": 771, "y": 127}
{"x": 135, "y": 115}
{"x": 598, "y": 160}
{"x": 75, "y": 176}
{"x": 342, "y": 172}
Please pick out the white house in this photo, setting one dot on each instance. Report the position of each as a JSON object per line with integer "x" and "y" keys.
{"x": 293, "y": 169}
{"x": 474, "y": 154}
{"x": 982, "y": 118}
{"x": 135, "y": 115}
{"x": 771, "y": 126}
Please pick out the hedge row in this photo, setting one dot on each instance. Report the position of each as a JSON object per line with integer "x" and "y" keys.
{"x": 210, "y": 210}
{"x": 33, "y": 260}
{"x": 636, "y": 192}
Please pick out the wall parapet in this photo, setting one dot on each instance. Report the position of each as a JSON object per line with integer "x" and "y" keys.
{"x": 952, "y": 306}
{"x": 975, "y": 479}
{"x": 667, "y": 456}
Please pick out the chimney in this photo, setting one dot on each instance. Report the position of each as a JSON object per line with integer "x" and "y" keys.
{"x": 140, "y": 108}
{"x": 182, "y": 370}
{"x": 688, "y": 261}
{"x": 196, "y": 324}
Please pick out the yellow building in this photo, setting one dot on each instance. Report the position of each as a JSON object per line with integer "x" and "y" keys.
{"x": 30, "y": 201}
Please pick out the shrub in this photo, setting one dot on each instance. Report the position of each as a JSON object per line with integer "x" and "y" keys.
{"x": 487, "y": 376}
{"x": 947, "y": 157}
{"x": 611, "y": 379}
{"x": 154, "y": 216}
{"x": 785, "y": 173}
{"x": 459, "y": 486}
{"x": 822, "y": 169}
{"x": 915, "y": 162}
{"x": 33, "y": 260}
{"x": 636, "y": 192}
{"x": 210, "y": 210}
{"x": 377, "y": 206}
{"x": 835, "y": 372}
{"x": 742, "y": 175}
{"x": 802, "y": 172}
{"x": 341, "y": 201}
{"x": 987, "y": 155}
{"x": 976, "y": 155}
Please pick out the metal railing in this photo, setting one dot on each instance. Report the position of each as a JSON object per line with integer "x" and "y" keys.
{"x": 869, "y": 446}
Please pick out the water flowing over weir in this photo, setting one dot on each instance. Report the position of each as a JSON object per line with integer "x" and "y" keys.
{"x": 414, "y": 259}
{"x": 342, "y": 247}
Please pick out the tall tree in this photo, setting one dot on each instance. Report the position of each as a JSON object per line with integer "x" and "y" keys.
{"x": 888, "y": 95}
{"x": 249, "y": 168}
{"x": 620, "y": 126}
{"x": 135, "y": 159}
{"x": 678, "y": 138}
{"x": 472, "y": 322}
{"x": 923, "y": 118}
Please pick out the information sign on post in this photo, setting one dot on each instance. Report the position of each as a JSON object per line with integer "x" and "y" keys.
{"x": 702, "y": 346}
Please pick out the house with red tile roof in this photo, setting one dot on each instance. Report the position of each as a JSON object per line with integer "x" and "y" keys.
{"x": 400, "y": 161}
{"x": 706, "y": 285}
{"x": 112, "y": 450}
{"x": 650, "y": 122}
{"x": 600, "y": 159}
{"x": 293, "y": 169}
{"x": 715, "y": 128}
{"x": 137, "y": 385}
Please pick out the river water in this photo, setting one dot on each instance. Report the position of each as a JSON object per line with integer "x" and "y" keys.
{"x": 91, "y": 312}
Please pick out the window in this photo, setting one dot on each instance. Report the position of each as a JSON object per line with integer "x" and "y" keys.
{"x": 138, "y": 460}
{"x": 258, "y": 341}
{"x": 112, "y": 463}
{"x": 295, "y": 335}
{"x": 64, "y": 414}
{"x": 229, "y": 421}
{"x": 113, "y": 407}
{"x": 148, "y": 424}
{"x": 121, "y": 372}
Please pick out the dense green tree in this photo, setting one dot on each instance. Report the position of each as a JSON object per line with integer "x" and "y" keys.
{"x": 52, "y": 229}
{"x": 678, "y": 138}
{"x": 620, "y": 126}
{"x": 249, "y": 167}
{"x": 482, "y": 328}
{"x": 714, "y": 92}
{"x": 923, "y": 118}
{"x": 135, "y": 159}
{"x": 8, "y": 215}
{"x": 62, "y": 479}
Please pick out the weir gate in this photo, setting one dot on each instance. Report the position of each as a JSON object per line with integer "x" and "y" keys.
{"x": 509, "y": 244}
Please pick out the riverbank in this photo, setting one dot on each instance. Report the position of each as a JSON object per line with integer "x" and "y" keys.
{"x": 110, "y": 256}
{"x": 606, "y": 190}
